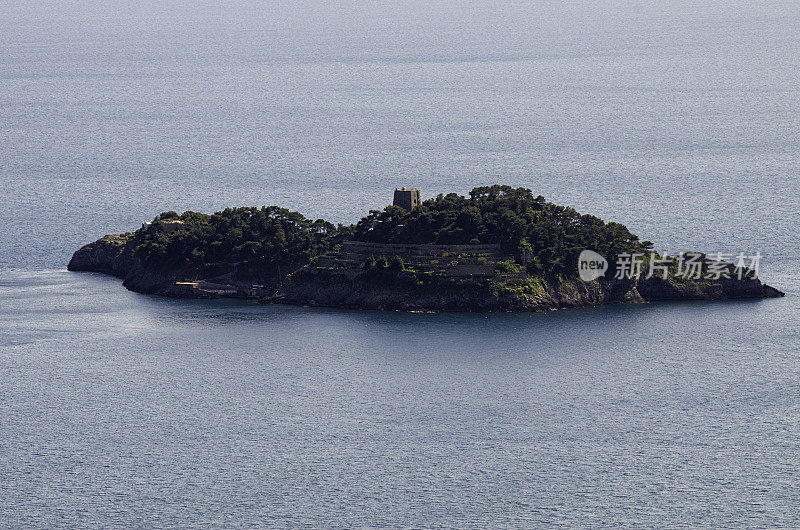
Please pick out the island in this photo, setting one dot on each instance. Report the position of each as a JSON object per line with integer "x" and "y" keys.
{"x": 499, "y": 249}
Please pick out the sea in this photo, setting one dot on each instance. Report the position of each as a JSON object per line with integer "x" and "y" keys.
{"x": 680, "y": 120}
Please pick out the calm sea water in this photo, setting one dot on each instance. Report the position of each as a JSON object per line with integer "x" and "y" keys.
{"x": 118, "y": 409}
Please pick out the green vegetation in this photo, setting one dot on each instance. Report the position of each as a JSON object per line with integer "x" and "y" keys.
{"x": 506, "y": 267}
{"x": 266, "y": 244}
{"x": 545, "y": 237}
{"x": 259, "y": 244}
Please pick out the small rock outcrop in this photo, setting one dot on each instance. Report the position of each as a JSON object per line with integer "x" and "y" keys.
{"x": 108, "y": 255}
{"x": 112, "y": 255}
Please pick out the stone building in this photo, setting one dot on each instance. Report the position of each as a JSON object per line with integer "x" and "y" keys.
{"x": 168, "y": 226}
{"x": 407, "y": 198}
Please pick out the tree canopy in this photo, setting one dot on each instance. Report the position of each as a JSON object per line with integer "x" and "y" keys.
{"x": 270, "y": 242}
{"x": 545, "y": 236}
{"x": 263, "y": 243}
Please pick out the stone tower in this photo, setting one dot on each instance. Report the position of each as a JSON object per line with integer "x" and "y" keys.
{"x": 407, "y": 198}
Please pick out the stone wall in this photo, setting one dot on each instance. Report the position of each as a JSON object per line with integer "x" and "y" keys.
{"x": 453, "y": 260}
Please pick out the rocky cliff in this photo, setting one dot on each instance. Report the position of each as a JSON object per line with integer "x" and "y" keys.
{"x": 341, "y": 291}
{"x": 108, "y": 255}
{"x": 112, "y": 255}
{"x": 315, "y": 286}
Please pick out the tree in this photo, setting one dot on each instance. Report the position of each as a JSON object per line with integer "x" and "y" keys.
{"x": 396, "y": 264}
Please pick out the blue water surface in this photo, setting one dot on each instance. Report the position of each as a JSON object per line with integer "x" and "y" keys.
{"x": 122, "y": 410}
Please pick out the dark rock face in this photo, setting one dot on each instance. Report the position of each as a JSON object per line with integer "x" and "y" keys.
{"x": 112, "y": 255}
{"x": 656, "y": 289}
{"x": 768, "y": 291}
{"x": 107, "y": 255}
{"x": 341, "y": 292}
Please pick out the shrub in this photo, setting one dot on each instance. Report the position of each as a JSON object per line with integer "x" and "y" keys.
{"x": 369, "y": 264}
{"x": 396, "y": 264}
{"x": 505, "y": 267}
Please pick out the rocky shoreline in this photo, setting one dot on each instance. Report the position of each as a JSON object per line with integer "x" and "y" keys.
{"x": 311, "y": 286}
